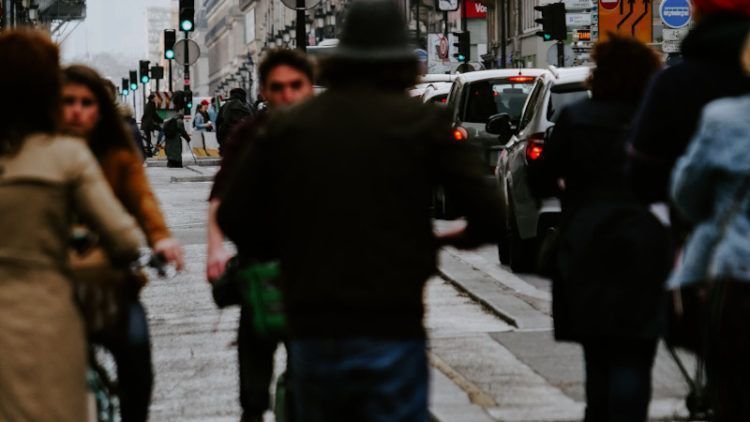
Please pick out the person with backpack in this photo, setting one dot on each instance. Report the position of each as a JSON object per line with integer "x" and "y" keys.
{"x": 611, "y": 256}
{"x": 174, "y": 133}
{"x": 230, "y": 114}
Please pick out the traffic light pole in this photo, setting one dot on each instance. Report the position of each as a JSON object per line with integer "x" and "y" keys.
{"x": 301, "y": 26}
{"x": 170, "y": 75}
{"x": 135, "y": 110}
{"x": 560, "y": 54}
{"x": 144, "y": 97}
{"x": 187, "y": 68}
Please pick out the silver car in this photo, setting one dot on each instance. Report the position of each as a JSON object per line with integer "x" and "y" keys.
{"x": 528, "y": 219}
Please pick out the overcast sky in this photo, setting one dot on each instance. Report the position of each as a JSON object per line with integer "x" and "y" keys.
{"x": 113, "y": 26}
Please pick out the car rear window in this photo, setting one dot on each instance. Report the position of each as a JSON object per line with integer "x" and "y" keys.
{"x": 562, "y": 95}
{"x": 485, "y": 99}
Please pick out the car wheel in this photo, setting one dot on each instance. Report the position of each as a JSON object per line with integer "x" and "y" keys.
{"x": 522, "y": 252}
{"x": 444, "y": 208}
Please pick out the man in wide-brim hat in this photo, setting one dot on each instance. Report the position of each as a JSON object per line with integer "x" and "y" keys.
{"x": 344, "y": 201}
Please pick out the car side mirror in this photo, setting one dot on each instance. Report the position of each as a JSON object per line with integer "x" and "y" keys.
{"x": 499, "y": 124}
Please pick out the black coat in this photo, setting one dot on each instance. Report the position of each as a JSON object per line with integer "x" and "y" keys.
{"x": 671, "y": 110}
{"x": 230, "y": 114}
{"x": 150, "y": 120}
{"x": 339, "y": 188}
{"x": 613, "y": 256}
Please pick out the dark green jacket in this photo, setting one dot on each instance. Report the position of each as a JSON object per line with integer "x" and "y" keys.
{"x": 339, "y": 189}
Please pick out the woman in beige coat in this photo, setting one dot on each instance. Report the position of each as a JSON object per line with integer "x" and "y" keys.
{"x": 44, "y": 178}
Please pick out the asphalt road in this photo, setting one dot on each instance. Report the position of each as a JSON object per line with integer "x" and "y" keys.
{"x": 491, "y": 346}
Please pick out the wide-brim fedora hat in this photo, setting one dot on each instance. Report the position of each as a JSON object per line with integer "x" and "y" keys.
{"x": 374, "y": 31}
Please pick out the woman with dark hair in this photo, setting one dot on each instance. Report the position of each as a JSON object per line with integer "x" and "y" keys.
{"x": 44, "y": 179}
{"x": 612, "y": 255}
{"x": 90, "y": 112}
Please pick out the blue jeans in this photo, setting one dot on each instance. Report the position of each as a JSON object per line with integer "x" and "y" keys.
{"x": 618, "y": 379}
{"x": 359, "y": 379}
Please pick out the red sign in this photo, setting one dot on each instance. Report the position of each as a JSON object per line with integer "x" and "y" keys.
{"x": 475, "y": 10}
{"x": 610, "y": 4}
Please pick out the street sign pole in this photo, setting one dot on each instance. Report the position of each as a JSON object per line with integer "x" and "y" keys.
{"x": 135, "y": 110}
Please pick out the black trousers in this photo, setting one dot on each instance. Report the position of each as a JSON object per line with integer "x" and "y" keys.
{"x": 131, "y": 350}
{"x": 256, "y": 355}
{"x": 149, "y": 146}
{"x": 618, "y": 379}
{"x": 728, "y": 351}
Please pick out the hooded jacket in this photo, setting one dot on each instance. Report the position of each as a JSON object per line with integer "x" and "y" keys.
{"x": 670, "y": 112}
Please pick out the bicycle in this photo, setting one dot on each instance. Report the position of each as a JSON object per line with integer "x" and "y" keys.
{"x": 101, "y": 374}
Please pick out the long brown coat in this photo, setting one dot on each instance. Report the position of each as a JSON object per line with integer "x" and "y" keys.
{"x": 42, "y": 344}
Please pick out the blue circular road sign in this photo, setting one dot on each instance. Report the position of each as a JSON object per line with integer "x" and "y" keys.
{"x": 675, "y": 13}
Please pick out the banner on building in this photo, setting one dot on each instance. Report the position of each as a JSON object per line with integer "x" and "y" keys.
{"x": 475, "y": 10}
{"x": 440, "y": 52}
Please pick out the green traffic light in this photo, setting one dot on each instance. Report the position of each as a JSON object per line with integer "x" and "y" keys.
{"x": 461, "y": 58}
{"x": 169, "y": 54}
{"x": 186, "y": 25}
{"x": 189, "y": 106}
{"x": 133, "y": 87}
{"x": 125, "y": 92}
{"x": 547, "y": 37}
{"x": 144, "y": 79}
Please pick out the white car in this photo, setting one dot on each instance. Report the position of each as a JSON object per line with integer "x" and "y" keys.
{"x": 528, "y": 218}
{"x": 437, "y": 93}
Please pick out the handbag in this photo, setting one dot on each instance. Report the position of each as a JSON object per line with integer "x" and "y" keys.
{"x": 693, "y": 307}
{"x": 102, "y": 291}
{"x": 255, "y": 286}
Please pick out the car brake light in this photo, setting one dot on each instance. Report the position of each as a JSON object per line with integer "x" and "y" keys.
{"x": 521, "y": 79}
{"x": 460, "y": 134}
{"x": 535, "y": 147}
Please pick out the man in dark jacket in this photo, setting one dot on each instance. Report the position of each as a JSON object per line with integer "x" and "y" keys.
{"x": 671, "y": 110}
{"x": 285, "y": 78}
{"x": 231, "y": 113}
{"x": 150, "y": 122}
{"x": 338, "y": 189}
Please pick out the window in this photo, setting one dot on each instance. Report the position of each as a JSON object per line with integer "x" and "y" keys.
{"x": 485, "y": 99}
{"x": 528, "y": 112}
{"x": 563, "y": 95}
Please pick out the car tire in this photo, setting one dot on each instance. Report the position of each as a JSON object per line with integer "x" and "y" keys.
{"x": 521, "y": 252}
{"x": 443, "y": 207}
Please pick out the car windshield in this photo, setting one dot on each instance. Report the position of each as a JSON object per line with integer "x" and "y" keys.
{"x": 491, "y": 97}
{"x": 562, "y": 95}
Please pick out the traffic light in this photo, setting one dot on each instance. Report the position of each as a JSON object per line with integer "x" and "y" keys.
{"x": 553, "y": 22}
{"x": 157, "y": 73}
{"x": 143, "y": 65}
{"x": 170, "y": 37}
{"x": 464, "y": 46}
{"x": 125, "y": 86}
{"x": 133, "y": 80}
{"x": 187, "y": 15}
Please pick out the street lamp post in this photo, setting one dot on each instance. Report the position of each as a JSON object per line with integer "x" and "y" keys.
{"x": 301, "y": 35}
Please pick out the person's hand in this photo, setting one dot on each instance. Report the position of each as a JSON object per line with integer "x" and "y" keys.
{"x": 458, "y": 238}
{"x": 216, "y": 263}
{"x": 172, "y": 251}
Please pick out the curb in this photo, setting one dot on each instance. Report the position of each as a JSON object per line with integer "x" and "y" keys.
{"x": 191, "y": 179}
{"x": 204, "y": 162}
{"x": 483, "y": 289}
